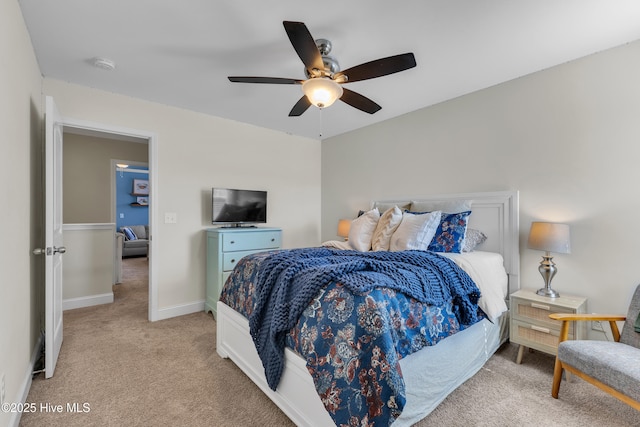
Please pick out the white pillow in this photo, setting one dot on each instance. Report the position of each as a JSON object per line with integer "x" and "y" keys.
{"x": 446, "y": 206}
{"x": 385, "y": 206}
{"x": 415, "y": 231}
{"x": 362, "y": 229}
{"x": 338, "y": 244}
{"x": 389, "y": 222}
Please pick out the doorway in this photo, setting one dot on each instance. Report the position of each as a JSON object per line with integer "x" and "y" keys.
{"x": 147, "y": 140}
{"x": 130, "y": 206}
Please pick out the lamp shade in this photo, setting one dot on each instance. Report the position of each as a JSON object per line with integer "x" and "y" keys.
{"x": 550, "y": 237}
{"x": 321, "y": 91}
{"x": 344, "y": 225}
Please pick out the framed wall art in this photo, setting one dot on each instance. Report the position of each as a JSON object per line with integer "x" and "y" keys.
{"x": 140, "y": 187}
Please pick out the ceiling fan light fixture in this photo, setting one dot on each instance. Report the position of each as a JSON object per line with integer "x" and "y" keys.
{"x": 322, "y": 91}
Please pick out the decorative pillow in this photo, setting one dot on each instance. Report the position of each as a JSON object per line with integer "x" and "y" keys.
{"x": 362, "y": 229}
{"x": 388, "y": 223}
{"x": 139, "y": 231}
{"x": 383, "y": 206}
{"x": 415, "y": 231}
{"x": 450, "y": 234}
{"x": 128, "y": 233}
{"x": 472, "y": 239}
{"x": 446, "y": 206}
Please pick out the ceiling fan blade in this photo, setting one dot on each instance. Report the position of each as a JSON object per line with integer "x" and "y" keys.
{"x": 304, "y": 45}
{"x": 300, "y": 107}
{"x": 379, "y": 67}
{"x": 359, "y": 101}
{"x": 271, "y": 80}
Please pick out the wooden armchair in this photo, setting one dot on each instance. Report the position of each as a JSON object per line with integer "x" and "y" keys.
{"x": 613, "y": 366}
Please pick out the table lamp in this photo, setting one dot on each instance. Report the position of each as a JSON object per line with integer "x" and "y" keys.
{"x": 344, "y": 225}
{"x": 549, "y": 237}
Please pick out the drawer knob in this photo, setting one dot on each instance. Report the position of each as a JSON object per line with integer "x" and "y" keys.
{"x": 232, "y": 242}
{"x": 273, "y": 239}
{"x": 233, "y": 260}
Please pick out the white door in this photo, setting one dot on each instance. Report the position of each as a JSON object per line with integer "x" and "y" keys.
{"x": 54, "y": 247}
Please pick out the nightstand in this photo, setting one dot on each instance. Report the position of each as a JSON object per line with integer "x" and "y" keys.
{"x": 531, "y": 326}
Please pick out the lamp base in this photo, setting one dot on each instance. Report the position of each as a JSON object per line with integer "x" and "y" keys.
{"x": 547, "y": 269}
{"x": 548, "y": 292}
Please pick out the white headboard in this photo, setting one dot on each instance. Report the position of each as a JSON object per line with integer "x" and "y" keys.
{"x": 496, "y": 215}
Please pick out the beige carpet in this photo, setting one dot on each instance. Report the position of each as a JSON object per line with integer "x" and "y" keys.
{"x": 132, "y": 372}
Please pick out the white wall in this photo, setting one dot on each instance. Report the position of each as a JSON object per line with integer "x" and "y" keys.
{"x": 568, "y": 138}
{"x": 88, "y": 271}
{"x": 195, "y": 153}
{"x": 87, "y": 165}
{"x": 21, "y": 294}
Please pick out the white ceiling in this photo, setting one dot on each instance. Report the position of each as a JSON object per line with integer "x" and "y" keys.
{"x": 180, "y": 52}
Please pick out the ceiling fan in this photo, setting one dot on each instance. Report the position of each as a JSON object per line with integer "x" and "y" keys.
{"x": 324, "y": 78}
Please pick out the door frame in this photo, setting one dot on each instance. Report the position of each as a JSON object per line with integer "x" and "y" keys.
{"x": 134, "y": 135}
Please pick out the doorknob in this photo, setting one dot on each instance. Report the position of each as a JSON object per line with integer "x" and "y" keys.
{"x": 39, "y": 251}
{"x": 59, "y": 250}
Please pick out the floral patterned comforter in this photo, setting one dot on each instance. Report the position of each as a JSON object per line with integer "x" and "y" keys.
{"x": 352, "y": 344}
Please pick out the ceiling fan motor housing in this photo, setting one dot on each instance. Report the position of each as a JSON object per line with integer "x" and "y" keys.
{"x": 331, "y": 65}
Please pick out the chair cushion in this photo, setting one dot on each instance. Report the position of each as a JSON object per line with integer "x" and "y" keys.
{"x": 136, "y": 243}
{"x": 614, "y": 364}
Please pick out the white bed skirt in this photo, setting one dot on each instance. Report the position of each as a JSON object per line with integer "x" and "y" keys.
{"x": 454, "y": 360}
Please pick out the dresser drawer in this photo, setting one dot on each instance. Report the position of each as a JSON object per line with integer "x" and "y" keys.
{"x": 535, "y": 336}
{"x": 230, "y": 259}
{"x": 225, "y": 276}
{"x": 249, "y": 241}
{"x": 538, "y": 313}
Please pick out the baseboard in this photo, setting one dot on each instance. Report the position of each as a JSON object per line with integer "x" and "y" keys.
{"x": 72, "y": 303}
{"x": 180, "y": 310}
{"x": 14, "y": 420}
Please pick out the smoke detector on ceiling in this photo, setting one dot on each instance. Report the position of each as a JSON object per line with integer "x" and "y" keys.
{"x": 104, "y": 63}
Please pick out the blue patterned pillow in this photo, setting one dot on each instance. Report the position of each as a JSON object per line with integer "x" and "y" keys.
{"x": 130, "y": 235}
{"x": 450, "y": 233}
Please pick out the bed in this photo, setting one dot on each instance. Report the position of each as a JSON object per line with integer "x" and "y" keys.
{"x": 496, "y": 215}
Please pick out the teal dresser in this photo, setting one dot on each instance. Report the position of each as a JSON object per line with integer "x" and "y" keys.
{"x": 225, "y": 247}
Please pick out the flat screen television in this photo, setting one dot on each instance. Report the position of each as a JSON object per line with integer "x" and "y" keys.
{"x": 237, "y": 208}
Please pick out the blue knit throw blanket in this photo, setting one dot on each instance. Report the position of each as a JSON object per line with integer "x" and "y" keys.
{"x": 287, "y": 282}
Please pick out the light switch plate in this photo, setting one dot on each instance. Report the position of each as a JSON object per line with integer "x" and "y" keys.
{"x": 170, "y": 218}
